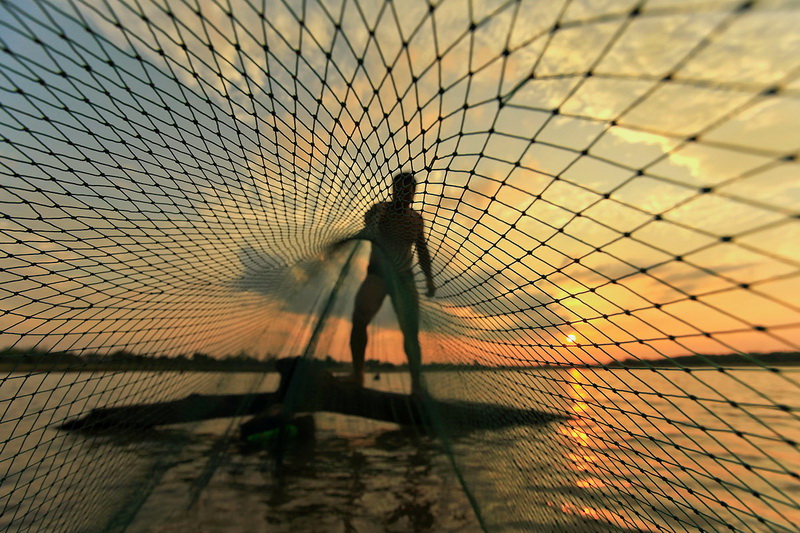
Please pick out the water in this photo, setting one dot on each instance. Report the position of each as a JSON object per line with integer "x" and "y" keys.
{"x": 359, "y": 476}
{"x": 644, "y": 452}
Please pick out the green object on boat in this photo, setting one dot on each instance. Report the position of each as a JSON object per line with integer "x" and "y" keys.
{"x": 270, "y": 436}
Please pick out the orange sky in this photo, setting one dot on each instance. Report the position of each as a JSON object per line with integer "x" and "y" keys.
{"x": 644, "y": 214}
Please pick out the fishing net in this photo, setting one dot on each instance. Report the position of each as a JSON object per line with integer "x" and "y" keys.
{"x": 610, "y": 198}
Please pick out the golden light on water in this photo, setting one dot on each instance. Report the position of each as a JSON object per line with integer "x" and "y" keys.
{"x": 580, "y": 407}
{"x": 583, "y": 437}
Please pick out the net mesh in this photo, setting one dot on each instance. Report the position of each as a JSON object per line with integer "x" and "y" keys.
{"x": 610, "y": 196}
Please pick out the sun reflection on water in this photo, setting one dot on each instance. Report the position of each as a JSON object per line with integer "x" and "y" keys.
{"x": 585, "y": 440}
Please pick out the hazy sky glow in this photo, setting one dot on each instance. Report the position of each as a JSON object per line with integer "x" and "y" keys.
{"x": 596, "y": 184}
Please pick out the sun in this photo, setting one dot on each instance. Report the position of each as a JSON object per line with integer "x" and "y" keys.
{"x": 571, "y": 337}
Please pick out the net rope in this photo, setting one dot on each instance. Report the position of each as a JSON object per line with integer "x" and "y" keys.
{"x": 610, "y": 198}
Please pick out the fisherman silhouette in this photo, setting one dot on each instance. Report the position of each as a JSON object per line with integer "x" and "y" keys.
{"x": 394, "y": 228}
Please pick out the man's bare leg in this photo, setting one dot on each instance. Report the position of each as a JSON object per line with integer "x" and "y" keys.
{"x": 369, "y": 298}
{"x": 406, "y": 305}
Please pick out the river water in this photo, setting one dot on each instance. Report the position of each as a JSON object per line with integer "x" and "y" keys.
{"x": 643, "y": 451}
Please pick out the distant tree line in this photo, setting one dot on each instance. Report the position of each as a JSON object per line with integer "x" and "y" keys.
{"x": 21, "y": 359}
{"x": 723, "y": 360}
{"x": 16, "y": 359}
{"x": 24, "y": 360}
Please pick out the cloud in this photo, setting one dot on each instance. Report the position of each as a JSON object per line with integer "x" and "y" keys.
{"x": 203, "y": 162}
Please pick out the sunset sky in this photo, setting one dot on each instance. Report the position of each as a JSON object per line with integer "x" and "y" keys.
{"x": 599, "y": 181}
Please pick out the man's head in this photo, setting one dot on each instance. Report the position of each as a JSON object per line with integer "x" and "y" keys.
{"x": 403, "y": 187}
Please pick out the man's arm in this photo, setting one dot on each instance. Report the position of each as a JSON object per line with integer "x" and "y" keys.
{"x": 367, "y": 233}
{"x": 425, "y": 258}
{"x": 372, "y": 217}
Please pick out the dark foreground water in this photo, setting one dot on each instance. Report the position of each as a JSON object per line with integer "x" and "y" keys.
{"x": 644, "y": 452}
{"x": 378, "y": 481}
{"x": 356, "y": 475}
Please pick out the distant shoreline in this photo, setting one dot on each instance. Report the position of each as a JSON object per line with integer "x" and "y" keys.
{"x": 26, "y": 361}
{"x": 32, "y": 368}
